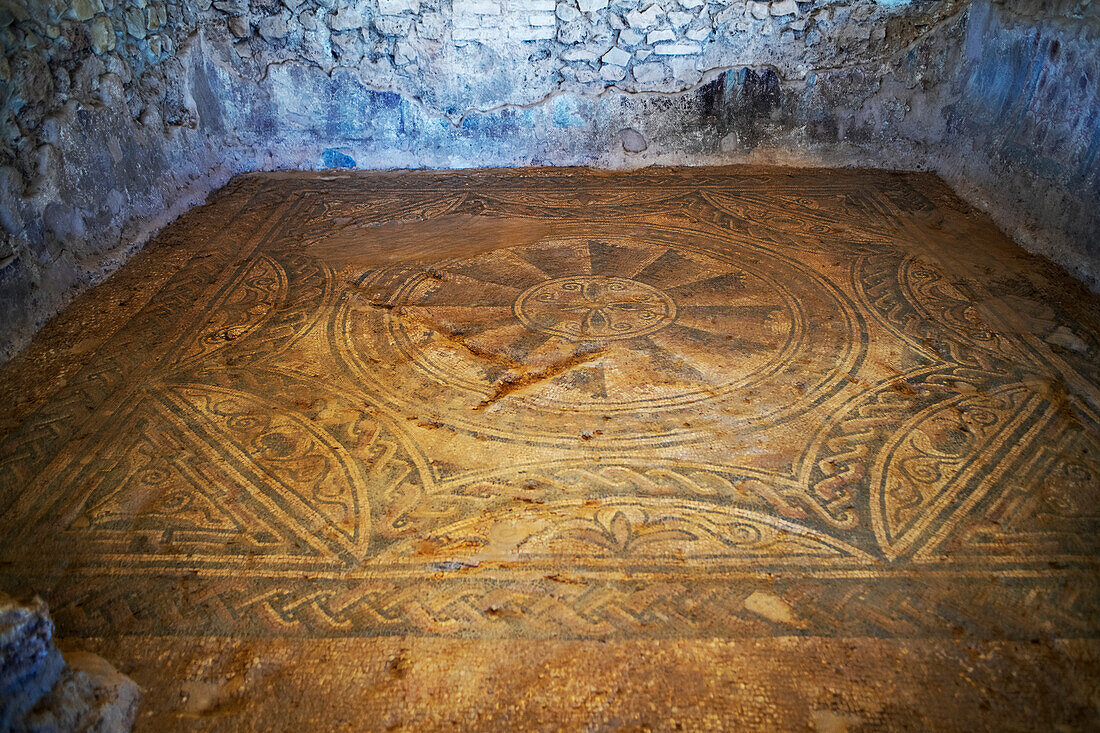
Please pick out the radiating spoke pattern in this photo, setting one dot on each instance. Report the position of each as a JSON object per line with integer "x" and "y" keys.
{"x": 609, "y": 323}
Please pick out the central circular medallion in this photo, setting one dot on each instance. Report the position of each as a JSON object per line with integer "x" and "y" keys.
{"x": 595, "y": 307}
{"x": 622, "y": 336}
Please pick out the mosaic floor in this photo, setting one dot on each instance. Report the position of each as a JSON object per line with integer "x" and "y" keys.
{"x": 780, "y": 448}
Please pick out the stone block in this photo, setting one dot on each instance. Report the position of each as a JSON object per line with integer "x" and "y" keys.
{"x": 273, "y": 27}
{"x": 90, "y": 696}
{"x": 397, "y": 7}
{"x": 784, "y": 7}
{"x": 698, "y": 34}
{"x": 682, "y": 48}
{"x": 240, "y": 27}
{"x": 660, "y": 35}
{"x": 567, "y": 12}
{"x": 759, "y": 11}
{"x": 31, "y": 664}
{"x": 616, "y": 57}
{"x": 102, "y": 34}
{"x": 591, "y": 6}
{"x": 541, "y": 20}
{"x": 233, "y": 7}
{"x": 630, "y": 37}
{"x": 84, "y": 10}
{"x": 134, "y": 19}
{"x": 679, "y": 19}
{"x": 42, "y": 691}
{"x": 645, "y": 18}
{"x": 156, "y": 15}
{"x": 346, "y": 19}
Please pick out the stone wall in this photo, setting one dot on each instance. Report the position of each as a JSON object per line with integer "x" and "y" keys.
{"x": 100, "y": 144}
{"x": 457, "y": 83}
{"x": 1024, "y": 141}
{"x": 119, "y": 113}
{"x": 43, "y": 691}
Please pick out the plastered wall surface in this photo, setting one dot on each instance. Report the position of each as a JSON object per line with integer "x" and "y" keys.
{"x": 119, "y": 114}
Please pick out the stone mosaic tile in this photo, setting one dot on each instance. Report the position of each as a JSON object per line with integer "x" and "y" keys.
{"x": 656, "y": 408}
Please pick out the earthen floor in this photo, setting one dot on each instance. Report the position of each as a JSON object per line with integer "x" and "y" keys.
{"x": 744, "y": 448}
